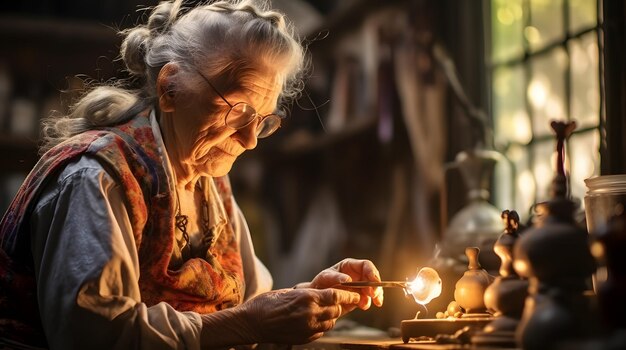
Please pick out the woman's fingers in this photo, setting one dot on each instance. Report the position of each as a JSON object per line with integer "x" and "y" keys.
{"x": 332, "y": 296}
{"x": 325, "y": 326}
{"x": 346, "y": 270}
{"x": 378, "y": 296}
{"x": 329, "y": 278}
{"x": 365, "y": 303}
{"x": 374, "y": 295}
{"x": 359, "y": 270}
{"x": 330, "y": 312}
{"x": 349, "y": 270}
{"x": 297, "y": 315}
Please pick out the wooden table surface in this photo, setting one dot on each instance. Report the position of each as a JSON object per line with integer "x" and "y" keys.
{"x": 348, "y": 343}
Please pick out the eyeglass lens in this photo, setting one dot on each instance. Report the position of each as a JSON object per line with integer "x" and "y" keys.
{"x": 242, "y": 114}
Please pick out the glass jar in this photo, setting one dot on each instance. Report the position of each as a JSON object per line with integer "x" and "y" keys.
{"x": 605, "y": 198}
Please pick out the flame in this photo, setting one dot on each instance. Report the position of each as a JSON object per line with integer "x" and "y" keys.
{"x": 425, "y": 287}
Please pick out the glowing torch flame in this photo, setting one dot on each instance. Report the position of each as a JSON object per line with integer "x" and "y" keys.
{"x": 425, "y": 287}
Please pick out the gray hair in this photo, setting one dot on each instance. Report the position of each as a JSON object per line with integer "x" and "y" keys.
{"x": 227, "y": 40}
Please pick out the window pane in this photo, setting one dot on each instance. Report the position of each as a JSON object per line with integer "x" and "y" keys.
{"x": 585, "y": 101}
{"x": 584, "y": 160}
{"x": 524, "y": 185}
{"x": 546, "y": 23}
{"x": 582, "y": 14}
{"x": 543, "y": 168}
{"x": 507, "y": 27}
{"x": 527, "y": 96}
{"x": 512, "y": 123}
{"x": 546, "y": 90}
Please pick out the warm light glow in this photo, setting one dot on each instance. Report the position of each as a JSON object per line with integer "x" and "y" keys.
{"x": 584, "y": 166}
{"x": 426, "y": 286}
{"x": 521, "y": 267}
{"x": 517, "y": 10}
{"x": 502, "y": 83}
{"x": 515, "y": 153}
{"x": 521, "y": 127}
{"x": 532, "y": 34}
{"x": 543, "y": 177}
{"x": 526, "y": 189}
{"x": 515, "y": 126}
{"x": 526, "y": 184}
{"x": 602, "y": 274}
{"x": 538, "y": 91}
{"x": 505, "y": 16}
{"x": 597, "y": 250}
{"x": 554, "y": 108}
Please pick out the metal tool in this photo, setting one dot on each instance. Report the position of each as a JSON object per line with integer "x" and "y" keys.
{"x": 384, "y": 284}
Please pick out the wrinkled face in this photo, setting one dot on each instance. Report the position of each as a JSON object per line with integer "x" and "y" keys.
{"x": 204, "y": 142}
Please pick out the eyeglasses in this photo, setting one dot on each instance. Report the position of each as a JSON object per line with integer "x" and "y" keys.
{"x": 242, "y": 114}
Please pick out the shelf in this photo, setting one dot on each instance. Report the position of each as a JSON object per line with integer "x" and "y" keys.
{"x": 47, "y": 51}
{"x": 40, "y": 53}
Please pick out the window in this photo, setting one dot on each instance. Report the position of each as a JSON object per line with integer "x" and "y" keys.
{"x": 543, "y": 66}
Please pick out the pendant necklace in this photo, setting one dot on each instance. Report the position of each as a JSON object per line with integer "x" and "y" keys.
{"x": 208, "y": 238}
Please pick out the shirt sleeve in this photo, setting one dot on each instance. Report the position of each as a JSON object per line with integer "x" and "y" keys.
{"x": 257, "y": 277}
{"x": 87, "y": 270}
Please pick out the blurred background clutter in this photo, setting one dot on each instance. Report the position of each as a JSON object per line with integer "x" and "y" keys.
{"x": 420, "y": 122}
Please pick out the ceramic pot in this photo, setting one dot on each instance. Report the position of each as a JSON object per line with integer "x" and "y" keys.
{"x": 470, "y": 289}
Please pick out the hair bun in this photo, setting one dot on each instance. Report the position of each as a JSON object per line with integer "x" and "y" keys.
{"x": 162, "y": 17}
{"x": 133, "y": 50}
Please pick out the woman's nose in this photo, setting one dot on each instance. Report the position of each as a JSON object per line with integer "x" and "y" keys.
{"x": 247, "y": 136}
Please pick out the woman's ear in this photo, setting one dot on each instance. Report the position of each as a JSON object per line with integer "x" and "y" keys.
{"x": 165, "y": 87}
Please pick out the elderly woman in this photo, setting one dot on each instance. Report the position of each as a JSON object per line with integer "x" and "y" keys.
{"x": 126, "y": 234}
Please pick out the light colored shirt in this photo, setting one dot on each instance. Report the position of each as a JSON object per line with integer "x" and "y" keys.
{"x": 87, "y": 266}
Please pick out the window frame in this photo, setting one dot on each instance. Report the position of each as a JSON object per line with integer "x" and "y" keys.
{"x": 525, "y": 61}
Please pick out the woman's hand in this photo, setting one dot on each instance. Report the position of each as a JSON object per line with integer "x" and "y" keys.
{"x": 351, "y": 270}
{"x": 295, "y": 316}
